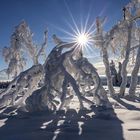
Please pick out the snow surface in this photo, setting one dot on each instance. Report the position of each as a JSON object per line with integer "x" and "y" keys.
{"x": 120, "y": 123}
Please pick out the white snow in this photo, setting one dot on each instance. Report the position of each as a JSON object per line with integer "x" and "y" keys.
{"x": 122, "y": 123}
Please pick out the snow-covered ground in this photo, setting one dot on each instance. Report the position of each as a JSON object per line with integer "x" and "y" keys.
{"x": 122, "y": 122}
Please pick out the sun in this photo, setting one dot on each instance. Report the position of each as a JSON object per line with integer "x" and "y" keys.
{"x": 82, "y": 39}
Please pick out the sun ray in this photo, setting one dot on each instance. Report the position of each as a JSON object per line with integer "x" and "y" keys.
{"x": 70, "y": 13}
{"x": 91, "y": 27}
{"x": 88, "y": 17}
{"x": 86, "y": 22}
{"x": 63, "y": 30}
{"x": 72, "y": 28}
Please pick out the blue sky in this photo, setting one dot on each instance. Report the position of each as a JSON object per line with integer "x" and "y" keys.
{"x": 53, "y": 15}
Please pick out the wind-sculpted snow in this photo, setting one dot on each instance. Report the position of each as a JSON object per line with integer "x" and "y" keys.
{"x": 22, "y": 86}
{"x": 67, "y": 74}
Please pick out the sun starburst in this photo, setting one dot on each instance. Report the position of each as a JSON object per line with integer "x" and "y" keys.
{"x": 82, "y": 39}
{"x": 81, "y": 34}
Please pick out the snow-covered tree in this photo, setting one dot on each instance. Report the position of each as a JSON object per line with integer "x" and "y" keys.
{"x": 125, "y": 40}
{"x": 14, "y": 56}
{"x": 100, "y": 42}
{"x": 21, "y": 44}
{"x": 25, "y": 36}
{"x": 122, "y": 38}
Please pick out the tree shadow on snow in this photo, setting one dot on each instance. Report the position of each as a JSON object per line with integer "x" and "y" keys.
{"x": 133, "y": 98}
{"x": 93, "y": 124}
{"x": 127, "y": 105}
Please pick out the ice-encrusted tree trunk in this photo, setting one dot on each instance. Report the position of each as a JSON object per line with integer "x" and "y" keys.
{"x": 134, "y": 75}
{"x": 90, "y": 76}
{"x": 107, "y": 71}
{"x": 125, "y": 61}
{"x": 130, "y": 19}
{"x": 101, "y": 43}
{"x": 135, "y": 71}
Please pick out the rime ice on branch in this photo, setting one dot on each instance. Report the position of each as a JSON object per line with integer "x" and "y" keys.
{"x": 22, "y": 87}
{"x": 21, "y": 44}
{"x": 122, "y": 38}
{"x": 64, "y": 71}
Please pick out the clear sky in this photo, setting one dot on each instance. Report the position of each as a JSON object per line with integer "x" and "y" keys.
{"x": 53, "y": 15}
